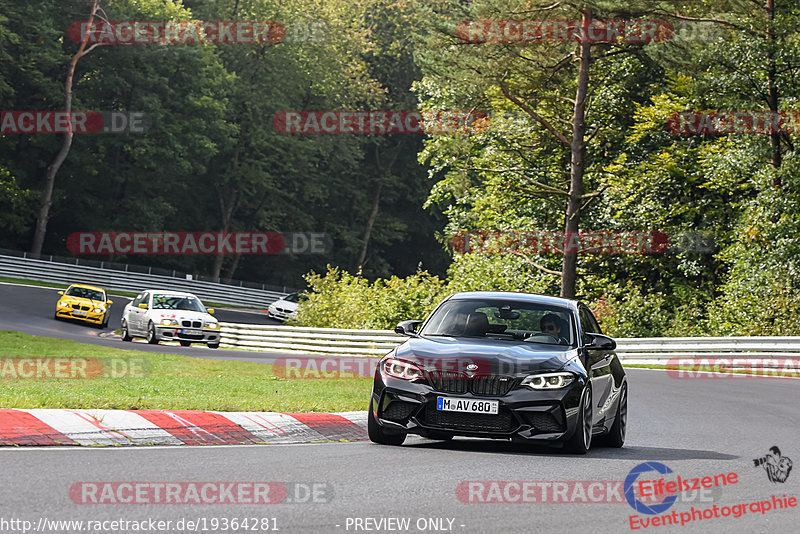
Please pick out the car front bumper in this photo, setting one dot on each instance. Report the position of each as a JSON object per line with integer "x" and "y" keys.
{"x": 280, "y": 315}
{"x": 80, "y": 315}
{"x": 524, "y": 414}
{"x": 195, "y": 335}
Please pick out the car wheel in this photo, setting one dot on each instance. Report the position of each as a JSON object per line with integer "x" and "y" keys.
{"x": 105, "y": 321}
{"x": 186, "y": 343}
{"x": 581, "y": 439}
{"x": 376, "y": 433}
{"x": 213, "y": 345}
{"x": 126, "y": 336}
{"x": 55, "y": 316}
{"x": 616, "y": 437}
{"x": 151, "y": 334}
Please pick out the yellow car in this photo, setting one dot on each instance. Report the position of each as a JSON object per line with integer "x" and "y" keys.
{"x": 85, "y": 303}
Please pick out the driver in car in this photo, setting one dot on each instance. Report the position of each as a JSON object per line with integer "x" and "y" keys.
{"x": 551, "y": 324}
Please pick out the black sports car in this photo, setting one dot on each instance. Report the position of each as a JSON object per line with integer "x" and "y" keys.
{"x": 502, "y": 365}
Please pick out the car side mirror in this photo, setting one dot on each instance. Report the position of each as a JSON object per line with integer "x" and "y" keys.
{"x": 110, "y": 302}
{"x": 60, "y": 292}
{"x": 598, "y": 342}
{"x": 210, "y": 310}
{"x": 407, "y": 328}
{"x": 143, "y": 306}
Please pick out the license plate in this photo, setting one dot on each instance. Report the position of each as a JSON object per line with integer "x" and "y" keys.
{"x": 78, "y": 312}
{"x": 191, "y": 332}
{"x": 454, "y": 404}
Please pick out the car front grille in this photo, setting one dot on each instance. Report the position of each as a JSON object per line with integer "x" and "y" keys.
{"x": 193, "y": 324}
{"x": 79, "y": 307}
{"x": 195, "y": 337}
{"x": 544, "y": 422}
{"x": 502, "y": 422}
{"x": 453, "y": 382}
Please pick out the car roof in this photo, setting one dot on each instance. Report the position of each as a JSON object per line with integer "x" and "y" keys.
{"x": 511, "y": 295}
{"x": 88, "y": 287}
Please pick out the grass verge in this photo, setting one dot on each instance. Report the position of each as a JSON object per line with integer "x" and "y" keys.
{"x": 161, "y": 381}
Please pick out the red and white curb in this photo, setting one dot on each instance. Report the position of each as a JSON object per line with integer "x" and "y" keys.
{"x": 175, "y": 427}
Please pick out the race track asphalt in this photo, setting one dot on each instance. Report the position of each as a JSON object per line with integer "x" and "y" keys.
{"x": 696, "y": 427}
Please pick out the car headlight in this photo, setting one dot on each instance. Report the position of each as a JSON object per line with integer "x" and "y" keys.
{"x": 211, "y": 324}
{"x": 169, "y": 322}
{"x": 99, "y": 310}
{"x": 548, "y": 380}
{"x": 63, "y": 304}
{"x": 401, "y": 369}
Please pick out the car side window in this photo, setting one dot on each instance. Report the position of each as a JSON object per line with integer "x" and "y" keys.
{"x": 145, "y": 299}
{"x": 588, "y": 322}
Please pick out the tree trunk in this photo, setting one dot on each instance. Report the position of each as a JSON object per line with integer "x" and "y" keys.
{"x": 577, "y": 166}
{"x": 772, "y": 96}
{"x": 227, "y": 207}
{"x": 52, "y": 169}
{"x": 370, "y": 224}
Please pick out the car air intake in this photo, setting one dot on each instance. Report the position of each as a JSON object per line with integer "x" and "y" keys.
{"x": 543, "y": 422}
{"x": 502, "y": 422}
{"x": 398, "y": 410}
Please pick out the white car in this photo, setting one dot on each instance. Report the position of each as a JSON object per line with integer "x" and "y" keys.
{"x": 284, "y": 308}
{"x": 170, "y": 316}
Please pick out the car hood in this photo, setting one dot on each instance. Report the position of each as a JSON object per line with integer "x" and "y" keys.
{"x": 83, "y": 300}
{"x": 489, "y": 355}
{"x": 181, "y": 315}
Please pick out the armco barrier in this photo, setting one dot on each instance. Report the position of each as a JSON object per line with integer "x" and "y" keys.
{"x": 300, "y": 340}
{"x": 112, "y": 279}
{"x": 658, "y": 350}
{"x": 333, "y": 341}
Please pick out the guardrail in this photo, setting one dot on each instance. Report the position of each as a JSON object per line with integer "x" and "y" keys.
{"x": 112, "y": 279}
{"x": 333, "y": 341}
{"x": 660, "y": 350}
{"x": 300, "y": 340}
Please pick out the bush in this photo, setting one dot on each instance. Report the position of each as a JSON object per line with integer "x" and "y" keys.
{"x": 342, "y": 300}
{"x": 631, "y": 314}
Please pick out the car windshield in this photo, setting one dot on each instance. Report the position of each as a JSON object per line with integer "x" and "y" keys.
{"x": 172, "y": 302}
{"x": 292, "y": 297}
{"x": 86, "y": 293}
{"x": 502, "y": 319}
